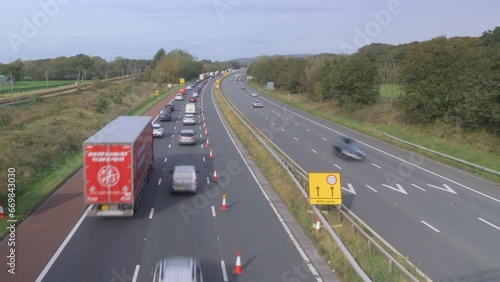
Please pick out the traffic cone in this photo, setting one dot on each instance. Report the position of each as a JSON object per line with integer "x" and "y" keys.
{"x": 2, "y": 212}
{"x": 206, "y": 132}
{"x": 211, "y": 156}
{"x": 204, "y": 125}
{"x": 215, "y": 175}
{"x": 208, "y": 143}
{"x": 318, "y": 224}
{"x": 224, "y": 205}
{"x": 238, "y": 269}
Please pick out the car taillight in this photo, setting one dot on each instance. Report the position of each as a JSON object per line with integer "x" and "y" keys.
{"x": 196, "y": 183}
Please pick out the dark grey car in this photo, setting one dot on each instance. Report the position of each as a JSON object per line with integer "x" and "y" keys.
{"x": 348, "y": 147}
{"x": 165, "y": 115}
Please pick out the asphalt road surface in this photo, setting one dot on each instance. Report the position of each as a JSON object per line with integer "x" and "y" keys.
{"x": 126, "y": 249}
{"x": 445, "y": 221}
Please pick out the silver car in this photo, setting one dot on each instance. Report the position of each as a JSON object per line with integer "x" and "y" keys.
{"x": 178, "y": 269}
{"x": 184, "y": 179}
{"x": 254, "y": 94}
{"x": 188, "y": 119}
{"x": 187, "y": 137}
{"x": 257, "y": 104}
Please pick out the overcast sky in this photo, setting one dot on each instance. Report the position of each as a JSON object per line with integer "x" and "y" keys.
{"x": 229, "y": 29}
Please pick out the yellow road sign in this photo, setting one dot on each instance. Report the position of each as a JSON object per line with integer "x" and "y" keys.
{"x": 182, "y": 81}
{"x": 157, "y": 93}
{"x": 324, "y": 188}
{"x": 226, "y": 74}
{"x": 217, "y": 81}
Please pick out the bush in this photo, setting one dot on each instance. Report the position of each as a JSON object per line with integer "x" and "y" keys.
{"x": 101, "y": 104}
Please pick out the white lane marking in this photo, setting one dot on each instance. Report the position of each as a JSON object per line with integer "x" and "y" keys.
{"x": 213, "y": 211}
{"x": 418, "y": 187}
{"x": 266, "y": 118}
{"x": 351, "y": 189}
{"x": 314, "y": 151}
{"x": 296, "y": 124}
{"x": 390, "y": 155}
{"x": 337, "y": 166}
{"x": 399, "y": 189}
{"x": 377, "y": 166}
{"x": 165, "y": 160}
{"x": 201, "y": 136}
{"x": 270, "y": 202}
{"x": 430, "y": 226}
{"x": 169, "y": 145}
{"x": 282, "y": 129}
{"x": 201, "y": 145}
{"x": 136, "y": 273}
{"x": 208, "y": 180}
{"x": 446, "y": 188}
{"x": 200, "y": 127}
{"x": 63, "y": 245}
{"x": 203, "y": 159}
{"x": 295, "y": 138}
{"x": 159, "y": 181}
{"x": 224, "y": 273}
{"x": 323, "y": 138}
{"x": 371, "y": 188}
{"x": 308, "y": 129}
{"x": 151, "y": 213}
{"x": 490, "y": 224}
{"x": 274, "y": 123}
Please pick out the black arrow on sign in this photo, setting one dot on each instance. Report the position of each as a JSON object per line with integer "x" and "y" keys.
{"x": 331, "y": 189}
{"x": 317, "y": 191}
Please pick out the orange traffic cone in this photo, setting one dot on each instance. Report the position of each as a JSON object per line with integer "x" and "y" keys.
{"x": 238, "y": 269}
{"x": 206, "y": 132}
{"x": 211, "y": 156}
{"x": 215, "y": 175}
{"x": 2, "y": 212}
{"x": 208, "y": 143}
{"x": 318, "y": 224}
{"x": 224, "y": 205}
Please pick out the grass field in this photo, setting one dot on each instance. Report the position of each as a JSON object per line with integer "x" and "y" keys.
{"x": 23, "y": 86}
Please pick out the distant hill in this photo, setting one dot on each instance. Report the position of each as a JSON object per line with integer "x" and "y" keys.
{"x": 248, "y": 61}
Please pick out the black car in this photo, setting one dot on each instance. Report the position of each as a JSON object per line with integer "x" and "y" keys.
{"x": 348, "y": 147}
{"x": 170, "y": 107}
{"x": 165, "y": 115}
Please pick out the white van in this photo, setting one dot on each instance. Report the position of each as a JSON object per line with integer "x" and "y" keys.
{"x": 190, "y": 108}
{"x": 184, "y": 179}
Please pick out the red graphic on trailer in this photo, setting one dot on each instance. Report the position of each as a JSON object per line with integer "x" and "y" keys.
{"x": 108, "y": 174}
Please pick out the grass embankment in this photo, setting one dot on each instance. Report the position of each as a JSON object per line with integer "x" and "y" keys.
{"x": 43, "y": 139}
{"x": 479, "y": 147}
{"x": 24, "y": 86}
{"x": 374, "y": 264}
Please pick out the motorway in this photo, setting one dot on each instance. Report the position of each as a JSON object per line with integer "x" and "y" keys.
{"x": 126, "y": 249}
{"x": 445, "y": 221}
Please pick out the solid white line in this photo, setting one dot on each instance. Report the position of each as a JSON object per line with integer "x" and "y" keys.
{"x": 308, "y": 129}
{"x": 490, "y": 224}
{"x": 273, "y": 207}
{"x": 63, "y": 245}
{"x": 208, "y": 180}
{"x": 136, "y": 273}
{"x": 337, "y": 166}
{"x": 165, "y": 159}
{"x": 323, "y": 138}
{"x": 213, "y": 211}
{"x": 377, "y": 166}
{"x": 224, "y": 273}
{"x": 314, "y": 151}
{"x": 430, "y": 226}
{"x": 159, "y": 181}
{"x": 418, "y": 187}
{"x": 296, "y": 138}
{"x": 151, "y": 213}
{"x": 371, "y": 188}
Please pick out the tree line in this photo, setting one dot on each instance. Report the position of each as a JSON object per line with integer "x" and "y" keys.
{"x": 452, "y": 80}
{"x": 71, "y": 68}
